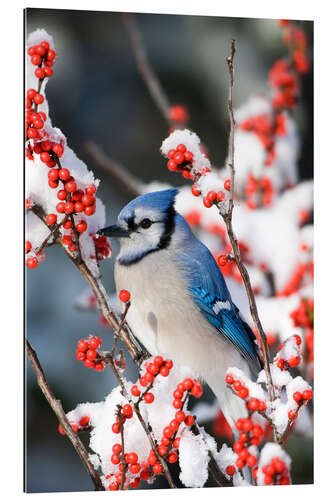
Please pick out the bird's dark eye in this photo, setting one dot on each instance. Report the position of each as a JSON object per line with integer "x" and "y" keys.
{"x": 145, "y": 223}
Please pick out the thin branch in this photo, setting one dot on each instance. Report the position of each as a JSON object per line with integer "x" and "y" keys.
{"x": 51, "y": 233}
{"x": 228, "y": 221}
{"x": 152, "y": 82}
{"x": 117, "y": 170}
{"x": 58, "y": 410}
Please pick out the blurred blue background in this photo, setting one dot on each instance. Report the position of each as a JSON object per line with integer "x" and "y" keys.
{"x": 97, "y": 94}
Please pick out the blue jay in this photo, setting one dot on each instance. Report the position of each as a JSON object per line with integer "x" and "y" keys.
{"x": 180, "y": 303}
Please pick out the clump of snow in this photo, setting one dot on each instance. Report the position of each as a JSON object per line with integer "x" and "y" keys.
{"x": 280, "y": 377}
{"x": 193, "y": 460}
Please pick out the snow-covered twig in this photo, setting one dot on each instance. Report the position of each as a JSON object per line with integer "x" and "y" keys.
{"x": 228, "y": 221}
{"x": 63, "y": 420}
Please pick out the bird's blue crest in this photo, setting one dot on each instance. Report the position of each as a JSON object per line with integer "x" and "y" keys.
{"x": 161, "y": 200}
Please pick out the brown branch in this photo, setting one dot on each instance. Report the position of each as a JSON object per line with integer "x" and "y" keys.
{"x": 118, "y": 171}
{"x": 149, "y": 77}
{"x": 59, "y": 412}
{"x": 51, "y": 233}
{"x": 228, "y": 221}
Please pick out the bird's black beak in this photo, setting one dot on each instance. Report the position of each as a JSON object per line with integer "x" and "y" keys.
{"x": 114, "y": 232}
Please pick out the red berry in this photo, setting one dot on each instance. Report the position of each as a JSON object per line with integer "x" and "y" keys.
{"x": 307, "y": 394}
{"x": 89, "y": 210}
{"x": 45, "y": 157}
{"x": 124, "y": 295}
{"x": 88, "y": 199}
{"x": 53, "y": 174}
{"x": 297, "y": 396}
{"x": 177, "y": 403}
{"x": 88, "y": 363}
{"x": 171, "y": 153}
{"x": 268, "y": 480}
{"x": 206, "y": 203}
{"x": 135, "y": 469}
{"x": 81, "y": 227}
{"x": 251, "y": 460}
{"x": 157, "y": 468}
{"x": 28, "y": 246}
{"x": 168, "y": 363}
{"x": 58, "y": 149}
{"x": 91, "y": 354}
{"x": 149, "y": 397}
{"x": 178, "y": 158}
{"x": 116, "y": 448}
{"x": 158, "y": 360}
{"x": 84, "y": 421}
{"x": 127, "y": 411}
{"x": 164, "y": 371}
{"x": 78, "y": 207}
{"x": 176, "y": 442}
{"x": 253, "y": 404}
{"x": 53, "y": 184}
{"x": 167, "y": 432}
{"x": 67, "y": 224}
{"x": 230, "y": 470}
{"x": 95, "y": 342}
{"x": 180, "y": 416}
{"x": 188, "y": 155}
{"x": 227, "y": 185}
{"x": 64, "y": 174}
{"x": 178, "y": 113}
{"x": 243, "y": 454}
{"x": 61, "y": 194}
{"x": 174, "y": 425}
{"x": 238, "y": 446}
{"x": 32, "y": 262}
{"x": 48, "y": 71}
{"x": 115, "y": 459}
{"x": 162, "y": 449}
{"x": 247, "y": 424}
{"x": 262, "y": 406}
{"x": 172, "y": 165}
{"x": 195, "y": 190}
{"x": 211, "y": 196}
{"x": 294, "y": 361}
{"x": 60, "y": 207}
{"x": 243, "y": 393}
{"x": 220, "y": 196}
{"x": 132, "y": 458}
{"x": 115, "y": 428}
{"x": 113, "y": 486}
{"x": 189, "y": 420}
{"x": 50, "y": 55}
{"x": 31, "y": 93}
{"x": 257, "y": 431}
{"x": 38, "y": 98}
{"x": 70, "y": 186}
{"x": 36, "y": 59}
{"x": 135, "y": 390}
{"x": 69, "y": 207}
{"x": 40, "y": 73}
{"x": 240, "y": 463}
{"x": 172, "y": 457}
{"x": 51, "y": 219}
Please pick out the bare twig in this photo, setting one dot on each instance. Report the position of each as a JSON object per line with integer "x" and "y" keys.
{"x": 51, "y": 233}
{"x": 145, "y": 69}
{"x": 228, "y": 221}
{"x": 58, "y": 410}
{"x": 118, "y": 171}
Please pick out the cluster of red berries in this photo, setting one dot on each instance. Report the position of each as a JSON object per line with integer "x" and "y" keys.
{"x": 258, "y": 192}
{"x": 87, "y": 353}
{"x": 266, "y": 129}
{"x": 303, "y": 315}
{"x": 180, "y": 160}
{"x": 178, "y": 114}
{"x": 294, "y": 283}
{"x": 291, "y": 344}
{"x": 33, "y": 261}
{"x": 295, "y": 38}
{"x": 276, "y": 472}
{"x": 211, "y": 197}
{"x": 159, "y": 366}
{"x": 243, "y": 393}
{"x": 83, "y": 422}
{"x": 301, "y": 398}
{"x": 250, "y": 434}
{"x": 42, "y": 56}
{"x": 103, "y": 248}
{"x": 283, "y": 78}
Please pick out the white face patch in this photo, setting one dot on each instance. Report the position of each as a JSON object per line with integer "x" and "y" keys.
{"x": 218, "y": 306}
{"x": 142, "y": 241}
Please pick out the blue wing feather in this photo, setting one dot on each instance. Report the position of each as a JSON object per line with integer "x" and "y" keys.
{"x": 210, "y": 293}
